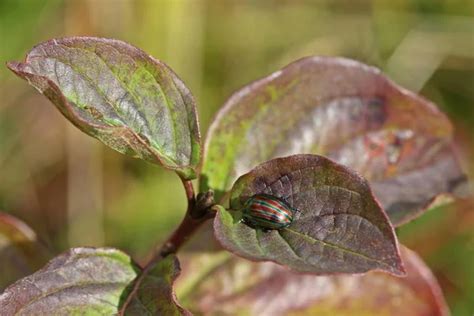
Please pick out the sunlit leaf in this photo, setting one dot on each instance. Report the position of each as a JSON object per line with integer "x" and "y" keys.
{"x": 20, "y": 251}
{"x": 89, "y": 281}
{"x": 338, "y": 225}
{"x": 221, "y": 284}
{"x": 344, "y": 110}
{"x": 120, "y": 95}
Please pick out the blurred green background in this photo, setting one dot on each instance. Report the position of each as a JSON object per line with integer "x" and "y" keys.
{"x": 75, "y": 191}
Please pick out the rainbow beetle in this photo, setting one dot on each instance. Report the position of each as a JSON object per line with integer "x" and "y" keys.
{"x": 267, "y": 212}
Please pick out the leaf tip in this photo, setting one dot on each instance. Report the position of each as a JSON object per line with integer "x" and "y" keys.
{"x": 14, "y": 66}
{"x": 396, "y": 266}
{"x": 21, "y": 69}
{"x": 400, "y": 270}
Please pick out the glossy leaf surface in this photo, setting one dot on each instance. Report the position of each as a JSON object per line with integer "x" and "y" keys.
{"x": 89, "y": 281}
{"x": 120, "y": 95}
{"x": 344, "y": 110}
{"x": 220, "y": 284}
{"x": 338, "y": 228}
{"x": 20, "y": 251}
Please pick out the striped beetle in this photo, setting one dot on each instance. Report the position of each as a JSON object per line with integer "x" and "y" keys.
{"x": 267, "y": 212}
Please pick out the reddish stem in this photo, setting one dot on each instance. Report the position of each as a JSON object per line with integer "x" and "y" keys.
{"x": 187, "y": 228}
{"x": 193, "y": 219}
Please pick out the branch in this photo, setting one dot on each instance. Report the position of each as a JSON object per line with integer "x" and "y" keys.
{"x": 199, "y": 210}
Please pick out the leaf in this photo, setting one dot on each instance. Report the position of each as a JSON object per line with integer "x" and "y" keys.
{"x": 339, "y": 226}
{"x": 155, "y": 291}
{"x": 120, "y": 95}
{"x": 239, "y": 287}
{"x": 88, "y": 281}
{"x": 347, "y": 111}
{"x": 20, "y": 251}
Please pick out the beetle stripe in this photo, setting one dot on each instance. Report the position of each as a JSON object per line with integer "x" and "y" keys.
{"x": 263, "y": 209}
{"x": 268, "y": 223}
{"x": 271, "y": 217}
{"x": 267, "y": 220}
{"x": 266, "y": 207}
{"x": 272, "y": 220}
{"x": 280, "y": 210}
{"x": 273, "y": 214}
{"x": 272, "y": 202}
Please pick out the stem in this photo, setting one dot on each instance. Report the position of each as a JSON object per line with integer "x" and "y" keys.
{"x": 193, "y": 219}
{"x": 187, "y": 228}
{"x": 190, "y": 196}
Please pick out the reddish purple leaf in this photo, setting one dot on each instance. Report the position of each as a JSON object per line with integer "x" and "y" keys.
{"x": 339, "y": 226}
{"x": 92, "y": 281}
{"x": 232, "y": 286}
{"x": 155, "y": 293}
{"x": 347, "y": 111}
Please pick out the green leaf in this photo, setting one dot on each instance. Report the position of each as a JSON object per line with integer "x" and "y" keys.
{"x": 339, "y": 226}
{"x": 120, "y": 95}
{"x": 240, "y": 287}
{"x": 92, "y": 281}
{"x": 20, "y": 251}
{"x": 347, "y": 111}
